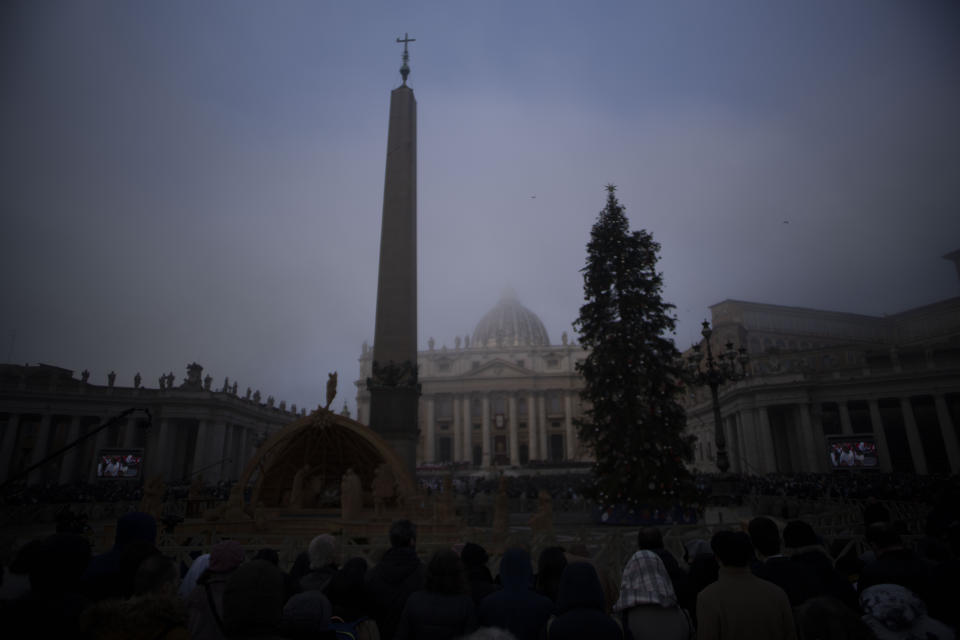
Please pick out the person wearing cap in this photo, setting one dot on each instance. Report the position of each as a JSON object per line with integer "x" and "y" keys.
{"x": 205, "y": 602}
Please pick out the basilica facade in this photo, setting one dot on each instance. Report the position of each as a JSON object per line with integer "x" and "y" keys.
{"x": 503, "y": 396}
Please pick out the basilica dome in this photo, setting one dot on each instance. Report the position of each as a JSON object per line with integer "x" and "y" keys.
{"x": 510, "y": 324}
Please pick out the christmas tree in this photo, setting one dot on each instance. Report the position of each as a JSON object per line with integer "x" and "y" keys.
{"x": 633, "y": 422}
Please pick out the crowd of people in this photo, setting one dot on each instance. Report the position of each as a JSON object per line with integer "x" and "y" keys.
{"x": 758, "y": 580}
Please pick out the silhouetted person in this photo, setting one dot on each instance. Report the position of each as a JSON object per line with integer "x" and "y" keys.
{"x": 253, "y": 601}
{"x": 398, "y": 574}
{"x": 57, "y": 597}
{"x": 102, "y": 578}
{"x": 804, "y": 547}
{"x": 516, "y": 607}
{"x": 550, "y": 567}
{"x": 479, "y": 578}
{"x": 795, "y": 578}
{"x": 581, "y": 607}
{"x": 895, "y": 564}
{"x": 443, "y": 609}
{"x": 739, "y": 604}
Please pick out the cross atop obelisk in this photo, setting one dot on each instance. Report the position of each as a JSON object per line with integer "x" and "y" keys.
{"x": 405, "y": 68}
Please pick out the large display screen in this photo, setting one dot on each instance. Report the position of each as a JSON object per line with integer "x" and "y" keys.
{"x": 119, "y": 463}
{"x": 852, "y": 452}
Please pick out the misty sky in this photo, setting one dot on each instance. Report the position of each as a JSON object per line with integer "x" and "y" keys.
{"x": 203, "y": 181}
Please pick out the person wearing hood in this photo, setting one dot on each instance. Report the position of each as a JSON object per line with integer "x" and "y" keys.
{"x": 398, "y": 574}
{"x": 205, "y": 602}
{"x": 581, "y": 607}
{"x": 102, "y": 578}
{"x": 648, "y": 603}
{"x": 516, "y": 607}
{"x": 893, "y": 612}
{"x": 651, "y": 539}
{"x": 199, "y": 565}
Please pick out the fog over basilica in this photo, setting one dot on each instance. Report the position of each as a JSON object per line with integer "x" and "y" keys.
{"x": 184, "y": 182}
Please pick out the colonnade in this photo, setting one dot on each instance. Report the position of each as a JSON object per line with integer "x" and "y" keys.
{"x": 498, "y": 434}
{"x": 912, "y": 433}
{"x": 174, "y": 447}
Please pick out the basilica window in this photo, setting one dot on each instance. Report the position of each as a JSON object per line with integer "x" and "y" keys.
{"x": 443, "y": 366}
{"x": 444, "y": 407}
{"x": 554, "y": 403}
{"x": 552, "y": 363}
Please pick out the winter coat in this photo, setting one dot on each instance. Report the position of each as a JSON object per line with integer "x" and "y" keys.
{"x": 741, "y": 605}
{"x": 828, "y": 581}
{"x": 795, "y": 578}
{"x": 148, "y": 617}
{"x": 398, "y": 574}
{"x": 516, "y": 607}
{"x": 204, "y": 622}
{"x": 436, "y": 616}
{"x": 581, "y": 607}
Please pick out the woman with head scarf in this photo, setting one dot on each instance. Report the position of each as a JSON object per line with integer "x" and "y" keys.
{"x": 648, "y": 604}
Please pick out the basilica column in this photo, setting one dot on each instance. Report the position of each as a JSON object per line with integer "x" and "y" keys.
{"x": 485, "y": 431}
{"x": 568, "y": 424}
{"x": 431, "y": 445}
{"x": 40, "y": 445}
{"x": 217, "y": 449}
{"x": 514, "y": 435}
{"x": 457, "y": 436}
{"x": 769, "y": 458}
{"x": 846, "y": 428}
{"x": 880, "y": 436}
{"x": 130, "y": 432}
{"x": 542, "y": 416}
{"x": 948, "y": 431}
{"x": 532, "y": 449}
{"x": 813, "y": 453}
{"x": 200, "y": 451}
{"x": 229, "y": 459}
{"x": 68, "y": 469}
{"x": 467, "y": 430}
{"x": 913, "y": 437}
{"x": 9, "y": 442}
{"x": 99, "y": 443}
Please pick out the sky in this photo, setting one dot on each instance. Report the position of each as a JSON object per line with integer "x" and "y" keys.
{"x": 202, "y": 181}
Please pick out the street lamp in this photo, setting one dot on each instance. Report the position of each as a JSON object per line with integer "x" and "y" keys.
{"x": 716, "y": 370}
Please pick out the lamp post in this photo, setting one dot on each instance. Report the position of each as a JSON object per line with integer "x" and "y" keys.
{"x": 716, "y": 370}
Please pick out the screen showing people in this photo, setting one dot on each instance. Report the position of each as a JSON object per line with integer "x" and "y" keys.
{"x": 119, "y": 463}
{"x": 853, "y": 453}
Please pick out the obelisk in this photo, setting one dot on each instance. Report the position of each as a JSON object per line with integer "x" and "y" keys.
{"x": 394, "y": 391}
